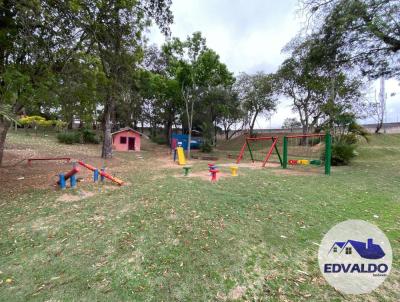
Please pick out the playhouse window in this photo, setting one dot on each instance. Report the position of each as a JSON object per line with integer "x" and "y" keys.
{"x": 335, "y": 249}
{"x": 348, "y": 250}
{"x": 122, "y": 140}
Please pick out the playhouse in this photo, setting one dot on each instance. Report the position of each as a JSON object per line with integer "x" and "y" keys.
{"x": 126, "y": 139}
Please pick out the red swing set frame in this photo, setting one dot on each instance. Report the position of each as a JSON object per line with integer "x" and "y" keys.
{"x": 268, "y": 155}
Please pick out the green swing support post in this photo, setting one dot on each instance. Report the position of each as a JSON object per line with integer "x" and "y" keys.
{"x": 328, "y": 153}
{"x": 284, "y": 162}
{"x": 279, "y": 156}
{"x": 251, "y": 153}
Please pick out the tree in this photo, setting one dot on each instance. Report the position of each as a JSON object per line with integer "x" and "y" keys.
{"x": 366, "y": 32}
{"x": 257, "y": 94}
{"x": 378, "y": 107}
{"x": 25, "y": 69}
{"x": 198, "y": 70}
{"x": 318, "y": 86}
{"x": 291, "y": 123}
{"x": 222, "y": 108}
{"x": 114, "y": 30}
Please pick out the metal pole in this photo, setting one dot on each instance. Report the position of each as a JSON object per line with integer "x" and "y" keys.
{"x": 328, "y": 153}
{"x": 285, "y": 152}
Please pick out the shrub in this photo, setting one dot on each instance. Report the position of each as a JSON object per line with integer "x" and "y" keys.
{"x": 159, "y": 140}
{"x": 347, "y": 139}
{"x": 89, "y": 136}
{"x": 69, "y": 137}
{"x": 205, "y": 147}
{"x": 343, "y": 153}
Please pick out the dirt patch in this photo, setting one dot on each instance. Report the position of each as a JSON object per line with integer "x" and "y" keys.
{"x": 255, "y": 165}
{"x": 236, "y": 293}
{"x": 16, "y": 176}
{"x": 67, "y": 197}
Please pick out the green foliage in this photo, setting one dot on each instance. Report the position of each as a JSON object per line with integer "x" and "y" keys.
{"x": 291, "y": 123}
{"x": 88, "y": 136}
{"x": 362, "y": 33}
{"x": 6, "y": 113}
{"x": 60, "y": 125}
{"x": 206, "y": 147}
{"x": 160, "y": 140}
{"x": 342, "y": 153}
{"x": 258, "y": 95}
{"x": 82, "y": 136}
{"x": 69, "y": 138}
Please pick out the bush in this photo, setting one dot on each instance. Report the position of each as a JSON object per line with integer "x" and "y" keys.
{"x": 69, "y": 138}
{"x": 89, "y": 136}
{"x": 85, "y": 136}
{"x": 205, "y": 147}
{"x": 159, "y": 140}
{"x": 343, "y": 153}
{"x": 348, "y": 139}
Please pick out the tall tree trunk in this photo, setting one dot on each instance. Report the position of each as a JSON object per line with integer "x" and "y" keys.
{"x": 378, "y": 127}
{"x": 215, "y": 133}
{"x": 4, "y": 126}
{"x": 226, "y": 131}
{"x": 253, "y": 123}
{"x": 106, "y": 151}
{"x": 168, "y": 131}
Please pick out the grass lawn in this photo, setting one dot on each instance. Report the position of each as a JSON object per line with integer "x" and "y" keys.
{"x": 163, "y": 237}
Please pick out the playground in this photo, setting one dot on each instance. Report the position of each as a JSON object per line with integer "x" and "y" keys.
{"x": 164, "y": 236}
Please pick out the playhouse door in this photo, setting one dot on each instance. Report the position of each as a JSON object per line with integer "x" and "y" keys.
{"x": 131, "y": 143}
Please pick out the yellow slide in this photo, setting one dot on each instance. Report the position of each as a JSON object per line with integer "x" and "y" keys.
{"x": 181, "y": 156}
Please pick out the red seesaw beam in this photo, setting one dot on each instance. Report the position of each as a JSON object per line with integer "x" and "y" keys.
{"x": 102, "y": 173}
{"x": 86, "y": 165}
{"x": 49, "y": 158}
{"x": 70, "y": 173}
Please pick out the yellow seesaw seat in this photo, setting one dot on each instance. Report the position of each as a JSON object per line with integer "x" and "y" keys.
{"x": 181, "y": 156}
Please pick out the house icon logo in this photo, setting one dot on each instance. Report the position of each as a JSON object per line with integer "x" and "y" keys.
{"x": 366, "y": 250}
{"x": 355, "y": 257}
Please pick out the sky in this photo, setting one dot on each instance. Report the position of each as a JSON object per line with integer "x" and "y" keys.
{"x": 249, "y": 36}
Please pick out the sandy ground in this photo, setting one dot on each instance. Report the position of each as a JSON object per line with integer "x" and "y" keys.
{"x": 17, "y": 176}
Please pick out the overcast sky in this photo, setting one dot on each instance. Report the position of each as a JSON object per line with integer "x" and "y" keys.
{"x": 249, "y": 36}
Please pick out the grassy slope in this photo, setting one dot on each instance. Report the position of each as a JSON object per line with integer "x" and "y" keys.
{"x": 167, "y": 238}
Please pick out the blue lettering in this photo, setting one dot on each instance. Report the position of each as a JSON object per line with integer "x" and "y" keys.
{"x": 372, "y": 268}
{"x": 328, "y": 268}
{"x": 382, "y": 268}
{"x": 355, "y": 268}
{"x": 346, "y": 268}
{"x": 335, "y": 268}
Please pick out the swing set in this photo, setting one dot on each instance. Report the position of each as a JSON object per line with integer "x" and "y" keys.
{"x": 256, "y": 147}
{"x": 298, "y": 150}
{"x": 306, "y": 149}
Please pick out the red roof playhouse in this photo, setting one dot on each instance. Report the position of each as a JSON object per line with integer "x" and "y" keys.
{"x": 126, "y": 139}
